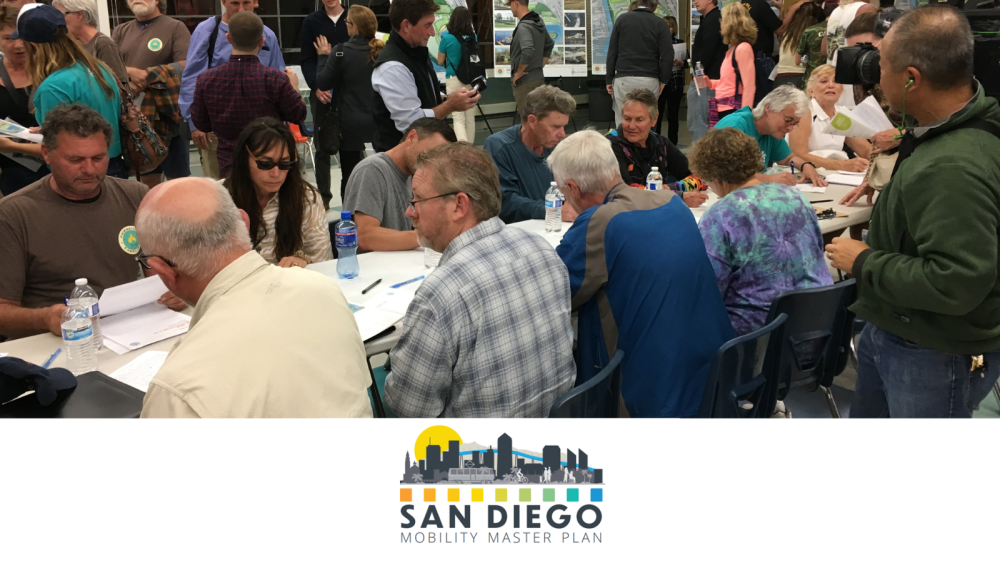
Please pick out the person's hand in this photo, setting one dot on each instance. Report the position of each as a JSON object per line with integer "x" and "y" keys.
{"x": 292, "y": 262}
{"x": 786, "y": 178}
{"x": 678, "y": 63}
{"x": 855, "y": 165}
{"x": 172, "y": 301}
{"x": 324, "y": 96}
{"x": 611, "y": 90}
{"x": 884, "y": 140}
{"x": 463, "y": 99}
{"x": 855, "y": 194}
{"x": 569, "y": 214}
{"x": 9, "y": 145}
{"x": 810, "y": 173}
{"x": 137, "y": 76}
{"x": 199, "y": 139}
{"x": 842, "y": 253}
{"x": 322, "y": 45}
{"x": 517, "y": 76}
{"x": 53, "y": 318}
{"x": 34, "y": 129}
{"x": 694, "y": 199}
{"x": 292, "y": 77}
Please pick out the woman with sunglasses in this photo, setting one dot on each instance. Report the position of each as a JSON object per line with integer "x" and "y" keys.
{"x": 288, "y": 225}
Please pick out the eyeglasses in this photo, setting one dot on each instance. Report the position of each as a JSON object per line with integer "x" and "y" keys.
{"x": 270, "y": 164}
{"x": 143, "y": 260}
{"x": 413, "y": 203}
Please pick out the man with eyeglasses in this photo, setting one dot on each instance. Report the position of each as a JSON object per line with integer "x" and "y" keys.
{"x": 379, "y": 190}
{"x": 76, "y": 222}
{"x": 773, "y": 118}
{"x": 489, "y": 334}
{"x": 229, "y": 97}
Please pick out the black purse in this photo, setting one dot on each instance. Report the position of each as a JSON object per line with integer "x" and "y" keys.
{"x": 328, "y": 133}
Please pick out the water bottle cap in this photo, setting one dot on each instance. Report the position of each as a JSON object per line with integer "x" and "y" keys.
{"x": 346, "y": 215}
{"x": 656, "y": 168}
{"x": 81, "y": 281}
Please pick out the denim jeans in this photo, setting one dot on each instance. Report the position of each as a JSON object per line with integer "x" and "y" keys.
{"x": 697, "y": 118}
{"x": 899, "y": 379}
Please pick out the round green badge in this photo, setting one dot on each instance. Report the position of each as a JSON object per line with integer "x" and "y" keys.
{"x": 155, "y": 45}
{"x": 128, "y": 240}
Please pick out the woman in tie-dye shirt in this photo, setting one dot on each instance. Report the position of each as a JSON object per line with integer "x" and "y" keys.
{"x": 763, "y": 239}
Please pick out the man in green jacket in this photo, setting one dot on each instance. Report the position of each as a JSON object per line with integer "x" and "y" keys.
{"x": 928, "y": 283}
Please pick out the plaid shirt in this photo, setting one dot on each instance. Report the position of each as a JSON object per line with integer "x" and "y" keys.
{"x": 228, "y": 97}
{"x": 488, "y": 333}
{"x": 160, "y": 103}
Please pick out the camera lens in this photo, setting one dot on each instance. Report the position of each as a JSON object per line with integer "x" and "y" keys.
{"x": 867, "y": 66}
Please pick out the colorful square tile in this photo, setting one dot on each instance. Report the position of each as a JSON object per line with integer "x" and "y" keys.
{"x": 453, "y": 495}
{"x": 477, "y": 495}
{"x": 501, "y": 495}
{"x": 429, "y": 495}
{"x": 596, "y": 495}
{"x": 525, "y": 495}
{"x": 405, "y": 495}
{"x": 572, "y": 495}
{"x": 549, "y": 495}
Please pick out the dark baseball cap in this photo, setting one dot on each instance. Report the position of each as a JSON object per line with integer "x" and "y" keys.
{"x": 17, "y": 377}
{"x": 37, "y": 23}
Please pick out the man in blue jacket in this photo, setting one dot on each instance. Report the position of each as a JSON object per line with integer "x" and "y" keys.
{"x": 641, "y": 282}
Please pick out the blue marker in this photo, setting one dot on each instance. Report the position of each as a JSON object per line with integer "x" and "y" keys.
{"x": 401, "y": 284}
{"x": 52, "y": 358}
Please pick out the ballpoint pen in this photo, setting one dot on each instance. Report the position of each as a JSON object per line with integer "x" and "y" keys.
{"x": 52, "y": 358}
{"x": 401, "y": 284}
{"x": 365, "y": 290}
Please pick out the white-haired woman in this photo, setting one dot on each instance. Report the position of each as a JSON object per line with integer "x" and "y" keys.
{"x": 81, "y": 22}
{"x": 825, "y": 150}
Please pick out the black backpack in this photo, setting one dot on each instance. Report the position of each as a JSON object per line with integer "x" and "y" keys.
{"x": 763, "y": 65}
{"x": 470, "y": 66}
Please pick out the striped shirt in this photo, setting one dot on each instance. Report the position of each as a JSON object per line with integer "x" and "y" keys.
{"x": 315, "y": 231}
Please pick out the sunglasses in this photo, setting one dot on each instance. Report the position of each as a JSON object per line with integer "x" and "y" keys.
{"x": 143, "y": 260}
{"x": 269, "y": 164}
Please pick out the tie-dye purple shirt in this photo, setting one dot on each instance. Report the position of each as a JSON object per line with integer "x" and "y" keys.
{"x": 762, "y": 241}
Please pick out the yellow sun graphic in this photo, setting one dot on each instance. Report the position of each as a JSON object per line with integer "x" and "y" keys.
{"x": 435, "y": 436}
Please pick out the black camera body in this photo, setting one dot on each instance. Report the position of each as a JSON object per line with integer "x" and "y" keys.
{"x": 858, "y": 64}
{"x": 479, "y": 84}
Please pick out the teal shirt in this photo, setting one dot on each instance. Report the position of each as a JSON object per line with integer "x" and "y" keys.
{"x": 75, "y": 84}
{"x": 775, "y": 149}
{"x": 452, "y": 49}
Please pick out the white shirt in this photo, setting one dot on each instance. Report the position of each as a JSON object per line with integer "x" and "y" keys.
{"x": 265, "y": 341}
{"x": 398, "y": 88}
{"x": 819, "y": 141}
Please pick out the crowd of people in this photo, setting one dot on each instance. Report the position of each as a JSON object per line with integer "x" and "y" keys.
{"x": 490, "y": 331}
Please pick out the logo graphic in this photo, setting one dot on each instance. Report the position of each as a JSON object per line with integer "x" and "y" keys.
{"x": 155, "y": 45}
{"x": 128, "y": 240}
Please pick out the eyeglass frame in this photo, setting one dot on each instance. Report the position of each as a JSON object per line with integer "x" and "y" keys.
{"x": 143, "y": 260}
{"x": 414, "y": 202}
{"x": 261, "y": 163}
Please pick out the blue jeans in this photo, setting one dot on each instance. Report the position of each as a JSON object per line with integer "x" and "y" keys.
{"x": 697, "y": 118}
{"x": 899, "y": 379}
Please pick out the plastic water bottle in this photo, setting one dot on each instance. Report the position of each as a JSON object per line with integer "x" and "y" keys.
{"x": 86, "y": 298}
{"x": 78, "y": 339}
{"x": 804, "y": 60}
{"x": 347, "y": 247}
{"x": 699, "y": 74}
{"x": 553, "y": 209}
{"x": 654, "y": 181}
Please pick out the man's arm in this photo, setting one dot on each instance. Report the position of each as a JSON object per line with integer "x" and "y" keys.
{"x": 163, "y": 403}
{"x": 17, "y": 321}
{"x": 180, "y": 44}
{"x": 398, "y": 89}
{"x": 372, "y": 236}
{"x": 515, "y": 207}
{"x": 291, "y": 106}
{"x": 272, "y": 57}
{"x": 197, "y": 63}
{"x": 666, "y": 49}
{"x": 547, "y": 46}
{"x": 573, "y": 251}
{"x": 198, "y": 113}
{"x": 308, "y": 58}
{"x": 612, "y": 59}
{"x": 421, "y": 375}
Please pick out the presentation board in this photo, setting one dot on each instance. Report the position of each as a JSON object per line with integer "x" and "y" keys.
{"x": 566, "y": 22}
{"x": 603, "y": 13}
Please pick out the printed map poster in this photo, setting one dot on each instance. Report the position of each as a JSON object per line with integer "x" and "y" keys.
{"x": 441, "y": 18}
{"x": 566, "y": 22}
{"x": 603, "y": 13}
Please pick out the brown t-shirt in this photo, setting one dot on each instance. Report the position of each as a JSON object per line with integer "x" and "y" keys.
{"x": 161, "y": 41}
{"x": 105, "y": 50}
{"x": 47, "y": 241}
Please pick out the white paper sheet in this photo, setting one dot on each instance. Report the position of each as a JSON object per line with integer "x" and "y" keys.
{"x": 845, "y": 179}
{"x": 3, "y": 354}
{"x": 863, "y": 120}
{"x": 810, "y": 189}
{"x": 115, "y": 347}
{"x": 382, "y": 311}
{"x": 872, "y": 115}
{"x": 131, "y": 295}
{"x": 680, "y": 51}
{"x": 11, "y": 129}
{"x": 140, "y": 371}
{"x": 144, "y": 326}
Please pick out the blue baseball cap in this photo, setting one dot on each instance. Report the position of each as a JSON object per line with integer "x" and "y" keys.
{"x": 37, "y": 23}
{"x": 18, "y": 377}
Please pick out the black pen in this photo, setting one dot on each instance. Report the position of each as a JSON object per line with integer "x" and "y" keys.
{"x": 365, "y": 290}
{"x": 822, "y": 201}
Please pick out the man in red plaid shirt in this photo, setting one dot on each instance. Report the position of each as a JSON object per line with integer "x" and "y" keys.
{"x": 228, "y": 97}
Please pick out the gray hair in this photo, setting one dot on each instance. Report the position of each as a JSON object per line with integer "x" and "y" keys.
{"x": 86, "y": 7}
{"x": 195, "y": 247}
{"x": 586, "y": 158}
{"x": 461, "y": 167}
{"x": 645, "y": 97}
{"x": 782, "y": 97}
{"x": 547, "y": 99}
{"x": 937, "y": 41}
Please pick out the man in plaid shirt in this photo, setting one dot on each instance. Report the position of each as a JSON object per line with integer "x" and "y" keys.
{"x": 488, "y": 333}
{"x": 227, "y": 98}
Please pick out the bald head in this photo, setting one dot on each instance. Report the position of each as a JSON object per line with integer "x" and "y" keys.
{"x": 193, "y": 223}
{"x": 937, "y": 41}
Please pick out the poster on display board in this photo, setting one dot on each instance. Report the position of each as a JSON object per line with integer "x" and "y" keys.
{"x": 566, "y": 22}
{"x": 603, "y": 13}
{"x": 441, "y": 17}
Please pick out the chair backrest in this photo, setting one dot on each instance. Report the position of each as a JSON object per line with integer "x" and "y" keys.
{"x": 741, "y": 382}
{"x": 814, "y": 339}
{"x": 597, "y": 397}
{"x": 297, "y": 134}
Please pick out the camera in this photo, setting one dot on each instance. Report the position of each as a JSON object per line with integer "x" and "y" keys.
{"x": 858, "y": 64}
{"x": 479, "y": 84}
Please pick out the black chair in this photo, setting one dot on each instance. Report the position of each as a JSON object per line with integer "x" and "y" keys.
{"x": 597, "y": 397}
{"x": 817, "y": 339}
{"x": 742, "y": 382}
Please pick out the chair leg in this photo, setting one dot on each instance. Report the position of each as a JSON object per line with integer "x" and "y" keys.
{"x": 376, "y": 398}
{"x": 834, "y": 411}
{"x": 312, "y": 155}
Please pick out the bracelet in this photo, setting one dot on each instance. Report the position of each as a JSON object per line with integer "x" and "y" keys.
{"x": 803, "y": 167}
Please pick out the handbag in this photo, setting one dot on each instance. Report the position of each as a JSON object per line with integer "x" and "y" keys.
{"x": 880, "y": 169}
{"x": 142, "y": 148}
{"x": 328, "y": 134}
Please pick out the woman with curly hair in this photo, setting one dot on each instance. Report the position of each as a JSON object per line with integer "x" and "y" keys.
{"x": 288, "y": 225}
{"x": 763, "y": 239}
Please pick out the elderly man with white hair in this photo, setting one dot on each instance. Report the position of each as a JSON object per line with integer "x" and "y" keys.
{"x": 264, "y": 341}
{"x": 768, "y": 123}
{"x": 81, "y": 23}
{"x": 641, "y": 282}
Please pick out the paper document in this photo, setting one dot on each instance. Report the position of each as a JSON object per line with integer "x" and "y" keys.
{"x": 810, "y": 189}
{"x": 848, "y": 180}
{"x": 140, "y": 371}
{"x": 863, "y": 120}
{"x": 382, "y": 311}
{"x": 11, "y": 129}
{"x": 144, "y": 326}
{"x": 680, "y": 51}
{"x": 131, "y": 295}
{"x": 3, "y": 354}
